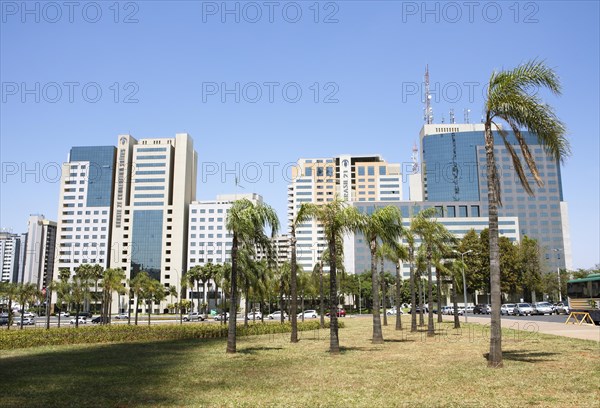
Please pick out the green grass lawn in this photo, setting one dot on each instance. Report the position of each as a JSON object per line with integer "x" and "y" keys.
{"x": 409, "y": 370}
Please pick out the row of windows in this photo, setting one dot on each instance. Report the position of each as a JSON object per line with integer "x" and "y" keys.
{"x": 148, "y": 203}
{"x": 148, "y": 196}
{"x": 150, "y": 180}
{"x": 209, "y": 220}
{"x": 148, "y": 172}
{"x": 149, "y": 187}
{"x": 210, "y": 211}
{"x": 152, "y": 149}
{"x": 152, "y": 157}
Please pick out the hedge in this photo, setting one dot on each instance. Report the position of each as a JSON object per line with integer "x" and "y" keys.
{"x": 14, "y": 339}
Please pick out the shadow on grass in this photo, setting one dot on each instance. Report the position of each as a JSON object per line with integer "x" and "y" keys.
{"x": 255, "y": 350}
{"x": 125, "y": 374}
{"x": 399, "y": 340}
{"x": 526, "y": 356}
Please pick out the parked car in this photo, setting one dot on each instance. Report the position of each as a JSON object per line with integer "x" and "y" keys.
{"x": 562, "y": 307}
{"x": 277, "y": 315}
{"x": 3, "y": 320}
{"x": 542, "y": 308}
{"x": 392, "y": 311}
{"x": 193, "y": 316}
{"x": 308, "y": 314}
{"x": 522, "y": 309}
{"x": 99, "y": 319}
{"x": 29, "y": 314}
{"x": 340, "y": 313}
{"x": 482, "y": 308}
{"x": 122, "y": 316}
{"x": 507, "y": 309}
{"x": 447, "y": 310}
{"x": 469, "y": 309}
{"x": 254, "y": 315}
{"x": 64, "y": 314}
{"x": 418, "y": 310}
{"x": 82, "y": 320}
{"x": 222, "y": 316}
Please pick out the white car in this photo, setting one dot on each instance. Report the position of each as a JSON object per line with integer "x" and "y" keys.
{"x": 29, "y": 314}
{"x": 507, "y": 309}
{"x": 82, "y": 320}
{"x": 222, "y": 316}
{"x": 64, "y": 314}
{"x": 254, "y": 315}
{"x": 308, "y": 314}
{"x": 392, "y": 311}
{"x": 277, "y": 315}
{"x": 522, "y": 309}
{"x": 26, "y": 321}
{"x": 122, "y": 316}
{"x": 542, "y": 308}
{"x": 470, "y": 309}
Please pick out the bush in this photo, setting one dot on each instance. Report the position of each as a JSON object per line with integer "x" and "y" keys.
{"x": 14, "y": 339}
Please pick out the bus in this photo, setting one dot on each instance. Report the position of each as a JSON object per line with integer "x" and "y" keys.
{"x": 584, "y": 296}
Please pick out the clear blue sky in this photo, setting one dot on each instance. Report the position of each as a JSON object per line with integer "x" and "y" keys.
{"x": 371, "y": 59}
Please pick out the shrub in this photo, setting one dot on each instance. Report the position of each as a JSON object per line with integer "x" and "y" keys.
{"x": 15, "y": 339}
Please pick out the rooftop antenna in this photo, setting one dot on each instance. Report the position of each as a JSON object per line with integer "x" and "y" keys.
{"x": 452, "y": 120}
{"x": 414, "y": 158}
{"x": 466, "y": 112}
{"x": 428, "y": 108}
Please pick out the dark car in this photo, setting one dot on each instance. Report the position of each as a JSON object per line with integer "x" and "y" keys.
{"x": 3, "y": 320}
{"x": 100, "y": 319}
{"x": 482, "y": 308}
{"x": 418, "y": 310}
{"x": 84, "y": 314}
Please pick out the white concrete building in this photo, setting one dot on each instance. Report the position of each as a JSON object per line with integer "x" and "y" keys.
{"x": 11, "y": 254}
{"x": 40, "y": 250}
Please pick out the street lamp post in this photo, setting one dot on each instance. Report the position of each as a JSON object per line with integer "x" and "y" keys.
{"x": 462, "y": 255}
{"x": 558, "y": 272}
{"x": 359, "y": 297}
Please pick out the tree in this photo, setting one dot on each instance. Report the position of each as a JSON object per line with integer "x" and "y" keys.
{"x": 112, "y": 280}
{"x": 435, "y": 239}
{"x": 153, "y": 291}
{"x": 10, "y": 291}
{"x": 301, "y": 216}
{"x": 337, "y": 218}
{"x": 172, "y": 291}
{"x": 508, "y": 100}
{"x": 530, "y": 266}
{"x": 26, "y": 294}
{"x": 409, "y": 236}
{"x": 138, "y": 287}
{"x": 194, "y": 276}
{"x": 385, "y": 225}
{"x": 396, "y": 255}
{"x": 246, "y": 221}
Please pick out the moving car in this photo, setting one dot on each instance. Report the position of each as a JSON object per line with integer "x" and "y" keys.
{"x": 27, "y": 321}
{"x": 522, "y": 309}
{"x": 222, "y": 316}
{"x": 29, "y": 314}
{"x": 82, "y": 320}
{"x": 122, "y": 316}
{"x": 507, "y": 309}
{"x": 542, "y": 308}
{"x": 308, "y": 314}
{"x": 340, "y": 313}
{"x": 277, "y": 315}
{"x": 193, "y": 316}
{"x": 99, "y": 319}
{"x": 254, "y": 315}
{"x": 64, "y": 314}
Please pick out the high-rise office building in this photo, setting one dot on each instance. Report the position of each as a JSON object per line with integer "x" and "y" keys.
{"x": 454, "y": 170}
{"x": 84, "y": 208}
{"x": 155, "y": 184}
{"x": 12, "y": 250}
{"x": 351, "y": 178}
{"x": 40, "y": 250}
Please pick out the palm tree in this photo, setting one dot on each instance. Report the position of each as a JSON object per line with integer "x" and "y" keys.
{"x": 434, "y": 237}
{"x": 194, "y": 275}
{"x": 10, "y": 291}
{"x": 153, "y": 291}
{"x": 396, "y": 255}
{"x": 508, "y": 99}
{"x": 26, "y": 293}
{"x": 112, "y": 280}
{"x": 96, "y": 273}
{"x": 138, "y": 286}
{"x": 337, "y": 219}
{"x": 301, "y": 217}
{"x": 385, "y": 225}
{"x": 246, "y": 222}
{"x": 409, "y": 236}
{"x": 172, "y": 291}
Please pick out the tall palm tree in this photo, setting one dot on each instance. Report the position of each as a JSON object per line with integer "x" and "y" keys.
{"x": 409, "y": 237}
{"x": 112, "y": 280}
{"x": 435, "y": 238}
{"x": 508, "y": 100}
{"x": 96, "y": 273}
{"x": 337, "y": 219}
{"x": 172, "y": 291}
{"x": 194, "y": 277}
{"x": 26, "y": 293}
{"x": 246, "y": 221}
{"x": 10, "y": 292}
{"x": 138, "y": 286}
{"x": 385, "y": 225}
{"x": 301, "y": 217}
{"x": 396, "y": 255}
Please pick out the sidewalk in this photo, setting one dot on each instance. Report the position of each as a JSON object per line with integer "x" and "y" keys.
{"x": 584, "y": 332}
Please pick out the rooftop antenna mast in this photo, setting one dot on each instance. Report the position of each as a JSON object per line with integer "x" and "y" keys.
{"x": 415, "y": 159}
{"x": 452, "y": 120}
{"x": 428, "y": 108}
{"x": 466, "y": 112}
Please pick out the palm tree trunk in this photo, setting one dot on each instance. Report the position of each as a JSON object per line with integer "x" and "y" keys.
{"x": 246, "y": 305}
{"x": 495, "y": 356}
{"x": 439, "y": 294}
{"x": 430, "y": 325}
{"x": 383, "y": 296}
{"x": 129, "y": 308}
{"x": 421, "y": 303}
{"x": 413, "y": 297}
{"x": 456, "y": 319}
{"x": 137, "y": 301}
{"x": 77, "y": 316}
{"x": 322, "y": 296}
{"x": 303, "y": 306}
{"x": 231, "y": 332}
{"x": 281, "y": 301}
{"x": 334, "y": 341}
{"x": 149, "y": 306}
{"x": 377, "y": 332}
{"x": 398, "y": 293}
{"x": 293, "y": 290}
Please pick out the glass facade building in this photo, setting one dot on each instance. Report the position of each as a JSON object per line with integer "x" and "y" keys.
{"x": 146, "y": 249}
{"x": 100, "y": 174}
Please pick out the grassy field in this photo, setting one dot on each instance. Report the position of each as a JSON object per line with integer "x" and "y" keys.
{"x": 409, "y": 370}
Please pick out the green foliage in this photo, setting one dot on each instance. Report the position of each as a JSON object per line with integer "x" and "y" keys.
{"x": 126, "y": 333}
